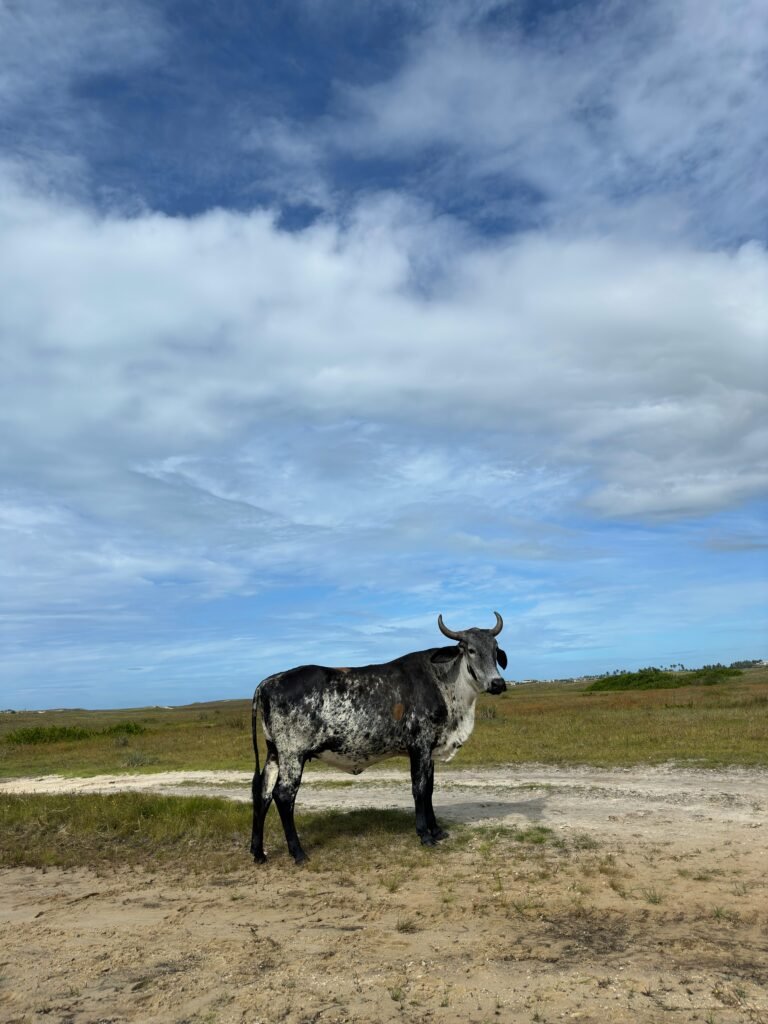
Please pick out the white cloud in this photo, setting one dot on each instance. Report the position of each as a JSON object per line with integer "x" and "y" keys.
{"x": 150, "y": 338}
{"x": 648, "y": 118}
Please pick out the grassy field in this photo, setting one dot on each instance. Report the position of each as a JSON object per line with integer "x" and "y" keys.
{"x": 551, "y": 723}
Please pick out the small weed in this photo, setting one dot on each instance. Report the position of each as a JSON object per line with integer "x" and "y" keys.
{"x": 617, "y": 887}
{"x": 406, "y": 925}
{"x": 724, "y": 914}
{"x": 536, "y": 835}
{"x": 579, "y": 888}
{"x": 651, "y": 895}
{"x": 706, "y": 874}
{"x": 521, "y": 906}
{"x": 584, "y": 841}
{"x": 138, "y": 759}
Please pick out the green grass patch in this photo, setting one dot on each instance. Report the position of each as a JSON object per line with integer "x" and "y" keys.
{"x": 198, "y": 834}
{"x": 661, "y": 679}
{"x": 532, "y": 835}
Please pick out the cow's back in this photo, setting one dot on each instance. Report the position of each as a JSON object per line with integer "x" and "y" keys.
{"x": 352, "y": 717}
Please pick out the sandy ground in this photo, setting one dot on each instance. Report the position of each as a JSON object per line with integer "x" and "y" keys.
{"x": 651, "y": 905}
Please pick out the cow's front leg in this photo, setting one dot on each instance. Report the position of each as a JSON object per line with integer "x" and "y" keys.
{"x": 420, "y": 775}
{"x": 436, "y": 832}
{"x": 286, "y": 788}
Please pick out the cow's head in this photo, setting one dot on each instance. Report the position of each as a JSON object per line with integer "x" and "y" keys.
{"x": 481, "y": 653}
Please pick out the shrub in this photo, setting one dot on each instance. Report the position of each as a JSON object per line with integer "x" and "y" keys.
{"x": 708, "y": 675}
{"x": 49, "y": 734}
{"x": 67, "y": 733}
{"x": 652, "y": 678}
{"x": 124, "y": 729}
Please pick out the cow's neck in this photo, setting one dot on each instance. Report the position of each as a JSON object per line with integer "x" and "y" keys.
{"x": 460, "y": 697}
{"x": 462, "y": 689}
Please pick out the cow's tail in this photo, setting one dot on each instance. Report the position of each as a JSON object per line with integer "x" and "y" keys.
{"x": 254, "y": 720}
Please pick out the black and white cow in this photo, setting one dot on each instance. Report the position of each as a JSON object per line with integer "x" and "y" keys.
{"x": 421, "y": 705}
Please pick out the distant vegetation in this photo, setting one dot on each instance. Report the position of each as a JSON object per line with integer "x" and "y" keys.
{"x": 652, "y": 678}
{"x": 550, "y": 723}
{"x": 66, "y": 733}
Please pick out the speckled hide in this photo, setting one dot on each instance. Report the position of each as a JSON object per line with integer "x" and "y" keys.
{"x": 421, "y": 705}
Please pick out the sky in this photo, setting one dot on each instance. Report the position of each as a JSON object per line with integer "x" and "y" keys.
{"x": 318, "y": 319}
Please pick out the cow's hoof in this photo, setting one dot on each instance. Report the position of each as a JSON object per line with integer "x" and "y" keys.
{"x": 439, "y": 834}
{"x": 260, "y": 858}
{"x": 428, "y": 840}
{"x": 300, "y": 858}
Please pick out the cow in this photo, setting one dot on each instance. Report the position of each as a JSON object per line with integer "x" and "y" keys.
{"x": 421, "y": 705}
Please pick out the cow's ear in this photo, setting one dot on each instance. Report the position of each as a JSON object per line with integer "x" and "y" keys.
{"x": 445, "y": 655}
{"x": 501, "y": 658}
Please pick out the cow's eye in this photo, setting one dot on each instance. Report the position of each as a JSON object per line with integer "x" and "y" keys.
{"x": 471, "y": 650}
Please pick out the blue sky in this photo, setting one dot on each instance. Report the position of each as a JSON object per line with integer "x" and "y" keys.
{"x": 318, "y": 319}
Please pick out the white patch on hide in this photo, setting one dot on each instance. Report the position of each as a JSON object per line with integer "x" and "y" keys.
{"x": 454, "y": 739}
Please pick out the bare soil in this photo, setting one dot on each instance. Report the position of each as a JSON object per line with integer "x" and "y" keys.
{"x": 650, "y": 904}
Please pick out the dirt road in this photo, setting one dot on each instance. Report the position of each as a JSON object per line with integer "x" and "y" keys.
{"x": 604, "y": 800}
{"x": 651, "y": 901}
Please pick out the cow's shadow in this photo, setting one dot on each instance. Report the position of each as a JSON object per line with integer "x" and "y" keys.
{"x": 324, "y": 828}
{"x": 484, "y": 811}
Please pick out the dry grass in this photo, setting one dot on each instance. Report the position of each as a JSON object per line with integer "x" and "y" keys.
{"x": 215, "y": 735}
{"x": 563, "y": 724}
{"x": 548, "y": 723}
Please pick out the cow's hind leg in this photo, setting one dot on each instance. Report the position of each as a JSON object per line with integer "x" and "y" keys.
{"x": 286, "y": 788}
{"x": 435, "y": 831}
{"x": 261, "y": 790}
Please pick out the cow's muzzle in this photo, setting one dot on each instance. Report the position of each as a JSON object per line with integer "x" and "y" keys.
{"x": 497, "y": 686}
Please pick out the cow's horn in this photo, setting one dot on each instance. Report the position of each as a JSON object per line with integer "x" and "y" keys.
{"x": 445, "y": 631}
{"x": 499, "y": 625}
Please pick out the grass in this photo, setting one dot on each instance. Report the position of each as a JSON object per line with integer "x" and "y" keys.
{"x": 564, "y": 723}
{"x": 551, "y": 723}
{"x": 215, "y": 735}
{"x": 199, "y": 834}
{"x": 209, "y": 835}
